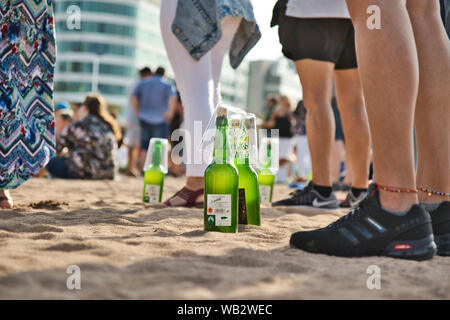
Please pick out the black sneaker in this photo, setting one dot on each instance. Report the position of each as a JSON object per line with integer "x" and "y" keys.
{"x": 309, "y": 197}
{"x": 440, "y": 218}
{"x": 371, "y": 231}
{"x": 351, "y": 201}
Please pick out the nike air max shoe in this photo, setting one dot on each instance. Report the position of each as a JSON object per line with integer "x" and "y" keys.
{"x": 371, "y": 231}
{"x": 309, "y": 197}
{"x": 441, "y": 228}
{"x": 351, "y": 201}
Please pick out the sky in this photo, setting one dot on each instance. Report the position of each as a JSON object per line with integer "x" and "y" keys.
{"x": 268, "y": 47}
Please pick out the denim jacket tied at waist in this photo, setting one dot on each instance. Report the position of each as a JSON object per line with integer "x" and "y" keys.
{"x": 197, "y": 26}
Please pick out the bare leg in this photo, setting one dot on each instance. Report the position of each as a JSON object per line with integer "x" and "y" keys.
{"x": 133, "y": 153}
{"x": 141, "y": 159}
{"x": 354, "y": 122}
{"x": 5, "y": 200}
{"x": 316, "y": 78}
{"x": 432, "y": 109}
{"x": 388, "y": 66}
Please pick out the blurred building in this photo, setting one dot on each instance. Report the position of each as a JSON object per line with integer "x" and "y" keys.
{"x": 234, "y": 84}
{"x": 102, "y": 44}
{"x": 265, "y": 77}
{"x": 103, "y": 50}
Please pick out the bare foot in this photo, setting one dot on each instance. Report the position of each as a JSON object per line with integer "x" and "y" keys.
{"x": 5, "y": 200}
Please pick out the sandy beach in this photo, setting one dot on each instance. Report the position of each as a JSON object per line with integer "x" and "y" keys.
{"x": 128, "y": 250}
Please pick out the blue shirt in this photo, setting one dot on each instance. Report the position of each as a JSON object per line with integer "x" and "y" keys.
{"x": 153, "y": 95}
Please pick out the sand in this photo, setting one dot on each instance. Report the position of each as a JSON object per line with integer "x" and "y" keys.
{"x": 127, "y": 250}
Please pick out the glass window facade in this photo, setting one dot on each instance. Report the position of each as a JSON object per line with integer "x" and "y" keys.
{"x": 95, "y": 6}
{"x": 87, "y": 67}
{"x": 84, "y": 87}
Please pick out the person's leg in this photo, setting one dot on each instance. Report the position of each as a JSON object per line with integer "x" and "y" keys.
{"x": 355, "y": 125}
{"x": 432, "y": 118}
{"x": 316, "y": 79}
{"x": 195, "y": 83}
{"x": 6, "y": 201}
{"x": 388, "y": 67}
{"x": 229, "y": 27}
{"x": 146, "y": 133}
{"x": 133, "y": 154}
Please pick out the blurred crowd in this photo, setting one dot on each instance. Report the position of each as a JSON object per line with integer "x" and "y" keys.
{"x": 88, "y": 134}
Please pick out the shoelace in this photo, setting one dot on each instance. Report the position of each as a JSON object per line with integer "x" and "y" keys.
{"x": 351, "y": 216}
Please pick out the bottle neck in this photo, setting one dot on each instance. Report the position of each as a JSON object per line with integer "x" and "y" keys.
{"x": 220, "y": 141}
{"x": 242, "y": 162}
{"x": 268, "y": 161}
{"x": 242, "y": 148}
{"x": 156, "y": 155}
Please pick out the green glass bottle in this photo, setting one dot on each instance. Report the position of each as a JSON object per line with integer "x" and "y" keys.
{"x": 266, "y": 177}
{"x": 249, "y": 206}
{"x": 154, "y": 177}
{"x": 221, "y": 183}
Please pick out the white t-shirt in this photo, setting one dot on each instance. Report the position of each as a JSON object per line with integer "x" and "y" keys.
{"x": 317, "y": 9}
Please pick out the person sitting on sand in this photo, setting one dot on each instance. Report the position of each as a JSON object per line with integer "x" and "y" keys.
{"x": 91, "y": 144}
{"x": 63, "y": 118}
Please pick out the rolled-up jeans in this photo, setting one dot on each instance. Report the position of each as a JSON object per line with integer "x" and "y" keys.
{"x": 197, "y": 81}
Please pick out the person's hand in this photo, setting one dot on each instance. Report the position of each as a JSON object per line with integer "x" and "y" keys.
{"x": 168, "y": 116}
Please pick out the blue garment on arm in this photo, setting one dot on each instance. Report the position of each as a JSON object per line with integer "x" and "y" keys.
{"x": 197, "y": 26}
{"x": 153, "y": 95}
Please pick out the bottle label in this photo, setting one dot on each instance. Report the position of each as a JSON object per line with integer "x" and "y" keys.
{"x": 151, "y": 193}
{"x": 242, "y": 207}
{"x": 264, "y": 193}
{"x": 219, "y": 210}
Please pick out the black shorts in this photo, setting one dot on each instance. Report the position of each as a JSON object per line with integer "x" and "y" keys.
{"x": 323, "y": 39}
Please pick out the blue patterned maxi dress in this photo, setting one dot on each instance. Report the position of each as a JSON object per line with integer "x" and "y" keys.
{"x": 27, "y": 59}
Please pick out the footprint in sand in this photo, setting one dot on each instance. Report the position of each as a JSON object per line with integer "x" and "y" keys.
{"x": 133, "y": 243}
{"x": 44, "y": 236}
{"x": 68, "y": 247}
{"x": 48, "y": 204}
{"x": 23, "y": 227}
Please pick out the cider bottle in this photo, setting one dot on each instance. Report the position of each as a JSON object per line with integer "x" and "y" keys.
{"x": 154, "y": 176}
{"x": 221, "y": 182}
{"x": 249, "y": 206}
{"x": 266, "y": 176}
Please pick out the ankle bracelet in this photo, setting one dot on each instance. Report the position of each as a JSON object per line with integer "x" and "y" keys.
{"x": 431, "y": 192}
{"x": 395, "y": 189}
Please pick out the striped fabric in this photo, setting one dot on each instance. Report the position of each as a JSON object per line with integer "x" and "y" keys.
{"x": 27, "y": 59}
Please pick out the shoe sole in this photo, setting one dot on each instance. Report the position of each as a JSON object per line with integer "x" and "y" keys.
{"x": 307, "y": 207}
{"x": 443, "y": 244}
{"x": 418, "y": 250}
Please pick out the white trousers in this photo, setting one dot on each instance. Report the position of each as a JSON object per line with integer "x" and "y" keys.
{"x": 197, "y": 81}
